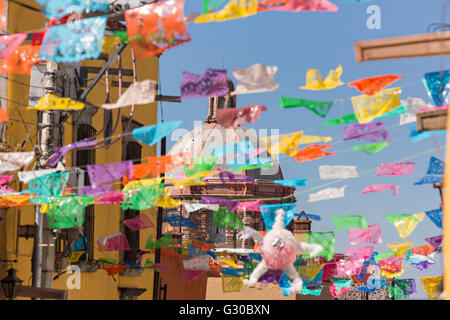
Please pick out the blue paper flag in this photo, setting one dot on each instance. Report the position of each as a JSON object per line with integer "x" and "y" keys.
{"x": 60, "y": 8}
{"x": 436, "y": 166}
{"x": 416, "y": 136}
{"x": 74, "y": 42}
{"x": 239, "y": 148}
{"x": 152, "y": 134}
{"x": 435, "y": 216}
{"x": 436, "y": 85}
{"x": 292, "y": 182}
{"x": 309, "y": 216}
{"x": 429, "y": 180}
{"x": 269, "y": 212}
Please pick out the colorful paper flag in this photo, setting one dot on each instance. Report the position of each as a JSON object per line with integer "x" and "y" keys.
{"x": 232, "y": 117}
{"x": 370, "y": 235}
{"x": 321, "y": 108}
{"x": 315, "y": 81}
{"x": 325, "y": 239}
{"x": 373, "y": 85}
{"x": 349, "y": 222}
{"x": 372, "y": 148}
{"x": 313, "y": 152}
{"x": 213, "y": 82}
{"x": 255, "y": 79}
{"x": 381, "y": 187}
{"x": 297, "y": 5}
{"x": 152, "y": 134}
{"x": 155, "y": 27}
{"x": 405, "y": 223}
{"x": 337, "y": 172}
{"x": 234, "y": 9}
{"x": 395, "y": 169}
{"x": 269, "y": 213}
{"x": 142, "y": 92}
{"x": 368, "y": 108}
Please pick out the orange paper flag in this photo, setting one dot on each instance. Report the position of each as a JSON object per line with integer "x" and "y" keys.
{"x": 312, "y": 152}
{"x": 3, "y": 115}
{"x": 21, "y": 60}
{"x": 373, "y": 85}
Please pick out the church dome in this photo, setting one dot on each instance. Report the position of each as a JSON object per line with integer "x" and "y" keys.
{"x": 199, "y": 142}
{"x": 211, "y": 134}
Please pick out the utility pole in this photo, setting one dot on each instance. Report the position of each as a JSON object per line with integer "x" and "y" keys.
{"x": 49, "y": 136}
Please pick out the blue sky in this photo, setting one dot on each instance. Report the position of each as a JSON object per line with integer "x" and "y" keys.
{"x": 296, "y": 42}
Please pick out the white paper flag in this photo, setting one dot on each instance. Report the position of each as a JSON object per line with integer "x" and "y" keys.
{"x": 191, "y": 207}
{"x": 326, "y": 194}
{"x": 414, "y": 105}
{"x": 256, "y": 78}
{"x": 12, "y": 161}
{"x": 141, "y": 92}
{"x": 200, "y": 262}
{"x": 337, "y": 172}
{"x": 26, "y": 176}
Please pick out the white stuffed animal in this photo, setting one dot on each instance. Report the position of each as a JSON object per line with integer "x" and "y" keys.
{"x": 279, "y": 249}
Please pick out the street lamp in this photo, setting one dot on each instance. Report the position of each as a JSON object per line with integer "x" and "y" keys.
{"x": 11, "y": 284}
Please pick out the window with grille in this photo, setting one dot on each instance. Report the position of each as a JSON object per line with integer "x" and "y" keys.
{"x": 83, "y": 158}
{"x": 132, "y": 151}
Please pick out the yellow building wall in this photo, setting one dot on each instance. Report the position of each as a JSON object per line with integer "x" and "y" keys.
{"x": 97, "y": 285}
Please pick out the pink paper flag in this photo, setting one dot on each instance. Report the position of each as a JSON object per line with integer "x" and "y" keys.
{"x": 360, "y": 253}
{"x": 231, "y": 117}
{"x": 347, "y": 268}
{"x": 111, "y": 198}
{"x": 114, "y": 242}
{"x": 9, "y": 43}
{"x": 138, "y": 223}
{"x": 395, "y": 169}
{"x": 297, "y": 5}
{"x": 249, "y": 205}
{"x": 380, "y": 187}
{"x": 370, "y": 235}
{"x": 190, "y": 275}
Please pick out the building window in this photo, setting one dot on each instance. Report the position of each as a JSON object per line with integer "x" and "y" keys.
{"x": 132, "y": 151}
{"x": 83, "y": 158}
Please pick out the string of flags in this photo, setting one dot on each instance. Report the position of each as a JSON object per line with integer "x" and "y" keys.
{"x": 154, "y": 28}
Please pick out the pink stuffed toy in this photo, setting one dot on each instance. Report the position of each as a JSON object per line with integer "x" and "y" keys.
{"x": 279, "y": 250}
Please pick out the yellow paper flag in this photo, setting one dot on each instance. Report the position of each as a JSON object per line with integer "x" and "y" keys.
{"x": 432, "y": 286}
{"x": 232, "y": 10}
{"x": 400, "y": 248}
{"x": 309, "y": 272}
{"x": 52, "y": 102}
{"x": 288, "y": 143}
{"x": 165, "y": 201}
{"x": 315, "y": 81}
{"x": 407, "y": 225}
{"x": 368, "y": 108}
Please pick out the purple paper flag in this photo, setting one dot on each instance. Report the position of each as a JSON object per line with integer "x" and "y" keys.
{"x": 356, "y": 131}
{"x": 395, "y": 169}
{"x": 379, "y": 136}
{"x": 60, "y": 152}
{"x": 100, "y": 173}
{"x": 226, "y": 176}
{"x": 271, "y": 275}
{"x": 229, "y": 204}
{"x": 211, "y": 83}
{"x": 435, "y": 241}
{"x": 98, "y": 191}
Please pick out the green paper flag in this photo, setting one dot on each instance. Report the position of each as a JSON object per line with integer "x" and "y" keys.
{"x": 164, "y": 242}
{"x": 227, "y": 219}
{"x": 200, "y": 165}
{"x": 68, "y": 212}
{"x": 325, "y": 239}
{"x": 371, "y": 148}
{"x": 349, "y": 222}
{"x": 142, "y": 198}
{"x": 349, "y": 118}
{"x": 321, "y": 108}
{"x": 397, "y": 293}
{"x": 384, "y": 255}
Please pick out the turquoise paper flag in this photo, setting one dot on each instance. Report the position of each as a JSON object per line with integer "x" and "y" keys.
{"x": 269, "y": 212}
{"x": 292, "y": 182}
{"x": 152, "y": 134}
